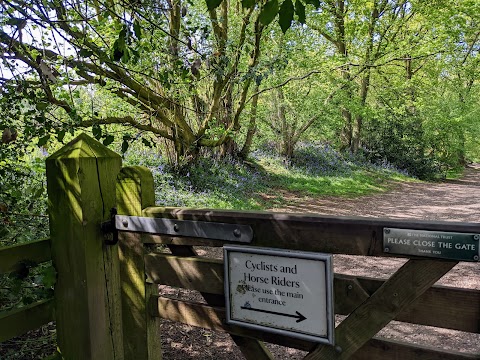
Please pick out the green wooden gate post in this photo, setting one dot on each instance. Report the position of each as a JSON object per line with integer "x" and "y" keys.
{"x": 141, "y": 334}
{"x": 81, "y": 181}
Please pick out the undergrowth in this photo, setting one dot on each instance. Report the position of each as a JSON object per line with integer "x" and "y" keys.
{"x": 207, "y": 183}
{"x": 315, "y": 170}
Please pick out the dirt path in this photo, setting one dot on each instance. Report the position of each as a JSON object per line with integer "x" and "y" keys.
{"x": 457, "y": 200}
{"x": 451, "y": 200}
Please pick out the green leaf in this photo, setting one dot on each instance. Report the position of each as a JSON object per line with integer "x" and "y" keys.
{"x": 38, "y": 192}
{"x": 41, "y": 106}
{"x": 15, "y": 21}
{"x": 300, "y": 11}
{"x": 108, "y": 140}
{"x": 27, "y": 299}
{"x": 247, "y": 4}
{"x": 117, "y": 52}
{"x": 125, "y": 146}
{"x": 285, "y": 16}
{"x": 43, "y": 140}
{"x": 119, "y": 46}
{"x": 135, "y": 55}
{"x": 85, "y": 53}
{"x": 147, "y": 142}
{"x": 137, "y": 29}
{"x": 96, "y": 131}
{"x": 213, "y": 4}
{"x": 16, "y": 194}
{"x": 315, "y": 3}
{"x": 49, "y": 277}
{"x": 126, "y": 56}
{"x": 268, "y": 12}
{"x": 60, "y": 135}
{"x": 122, "y": 38}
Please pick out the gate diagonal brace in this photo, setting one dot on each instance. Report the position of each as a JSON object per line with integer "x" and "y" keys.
{"x": 187, "y": 228}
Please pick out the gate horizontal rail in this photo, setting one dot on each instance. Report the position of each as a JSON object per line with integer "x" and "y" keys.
{"x": 18, "y": 321}
{"x": 12, "y": 258}
{"x": 328, "y": 234}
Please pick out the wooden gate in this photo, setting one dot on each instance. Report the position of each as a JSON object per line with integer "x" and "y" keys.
{"x": 106, "y": 298}
{"x": 408, "y": 295}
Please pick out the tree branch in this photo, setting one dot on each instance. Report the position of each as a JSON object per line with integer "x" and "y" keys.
{"x": 286, "y": 82}
{"x": 127, "y": 120}
{"x": 304, "y": 128}
{"x": 470, "y": 48}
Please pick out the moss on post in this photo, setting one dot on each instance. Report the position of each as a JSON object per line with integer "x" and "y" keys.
{"x": 141, "y": 331}
{"x": 81, "y": 191}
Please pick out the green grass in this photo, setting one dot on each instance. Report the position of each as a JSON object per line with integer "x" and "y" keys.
{"x": 454, "y": 174}
{"x": 256, "y": 185}
{"x": 357, "y": 183}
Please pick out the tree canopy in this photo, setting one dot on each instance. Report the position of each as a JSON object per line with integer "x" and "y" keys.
{"x": 372, "y": 75}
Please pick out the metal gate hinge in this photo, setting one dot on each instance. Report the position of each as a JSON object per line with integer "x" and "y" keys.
{"x": 188, "y": 228}
{"x": 108, "y": 228}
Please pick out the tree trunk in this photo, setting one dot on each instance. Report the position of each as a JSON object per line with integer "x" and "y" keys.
{"x": 357, "y": 126}
{"x": 365, "y": 82}
{"x": 183, "y": 141}
{"x": 341, "y": 45}
{"x": 286, "y": 147}
{"x": 252, "y": 126}
{"x": 226, "y": 111}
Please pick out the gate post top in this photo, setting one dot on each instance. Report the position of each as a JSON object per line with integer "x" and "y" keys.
{"x": 83, "y": 146}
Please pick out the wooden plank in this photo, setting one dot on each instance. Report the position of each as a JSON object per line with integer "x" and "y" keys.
{"x": 348, "y": 294}
{"x": 17, "y": 322}
{"x": 433, "y": 308}
{"x": 335, "y": 235}
{"x": 189, "y": 252}
{"x": 204, "y": 316}
{"x": 440, "y": 306}
{"x": 81, "y": 191}
{"x": 194, "y": 273}
{"x": 394, "y": 296}
{"x": 34, "y": 252}
{"x": 141, "y": 333}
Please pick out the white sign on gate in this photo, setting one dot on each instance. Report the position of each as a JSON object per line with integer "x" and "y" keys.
{"x": 280, "y": 291}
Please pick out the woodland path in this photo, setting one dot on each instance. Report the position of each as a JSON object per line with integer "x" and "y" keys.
{"x": 452, "y": 200}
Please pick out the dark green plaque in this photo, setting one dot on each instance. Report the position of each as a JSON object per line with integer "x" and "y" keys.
{"x": 437, "y": 244}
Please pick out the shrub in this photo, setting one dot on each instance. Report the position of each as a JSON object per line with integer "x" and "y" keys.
{"x": 209, "y": 182}
{"x": 400, "y": 142}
